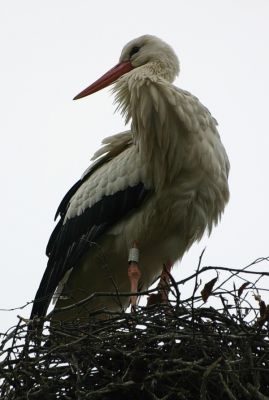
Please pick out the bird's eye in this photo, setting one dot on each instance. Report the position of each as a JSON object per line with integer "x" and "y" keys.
{"x": 134, "y": 50}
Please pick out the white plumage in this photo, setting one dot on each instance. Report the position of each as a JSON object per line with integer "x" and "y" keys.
{"x": 162, "y": 184}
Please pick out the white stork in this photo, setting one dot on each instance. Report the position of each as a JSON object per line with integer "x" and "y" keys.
{"x": 161, "y": 184}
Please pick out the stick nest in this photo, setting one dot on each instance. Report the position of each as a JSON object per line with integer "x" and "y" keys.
{"x": 184, "y": 350}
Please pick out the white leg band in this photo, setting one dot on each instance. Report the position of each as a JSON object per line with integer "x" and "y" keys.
{"x": 133, "y": 255}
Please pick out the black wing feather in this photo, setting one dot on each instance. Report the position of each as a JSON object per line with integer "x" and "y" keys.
{"x": 70, "y": 240}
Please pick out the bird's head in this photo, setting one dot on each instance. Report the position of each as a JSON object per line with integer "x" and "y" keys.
{"x": 150, "y": 50}
{"x": 147, "y": 50}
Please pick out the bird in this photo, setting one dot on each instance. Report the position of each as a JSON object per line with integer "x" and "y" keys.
{"x": 154, "y": 189}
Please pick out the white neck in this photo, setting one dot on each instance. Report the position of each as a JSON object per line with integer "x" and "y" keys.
{"x": 147, "y": 99}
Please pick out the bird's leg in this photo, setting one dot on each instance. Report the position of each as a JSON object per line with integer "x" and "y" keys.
{"x": 163, "y": 288}
{"x": 134, "y": 273}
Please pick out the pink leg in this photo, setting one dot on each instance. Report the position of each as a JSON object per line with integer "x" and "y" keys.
{"x": 163, "y": 289}
{"x": 134, "y": 273}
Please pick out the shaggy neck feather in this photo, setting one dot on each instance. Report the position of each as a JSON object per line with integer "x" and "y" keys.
{"x": 145, "y": 99}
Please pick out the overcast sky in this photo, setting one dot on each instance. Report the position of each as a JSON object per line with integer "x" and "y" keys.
{"x": 50, "y": 50}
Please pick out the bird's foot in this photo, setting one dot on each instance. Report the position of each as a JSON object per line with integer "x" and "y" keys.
{"x": 134, "y": 274}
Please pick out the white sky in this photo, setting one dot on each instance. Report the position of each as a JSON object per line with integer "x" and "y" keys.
{"x": 50, "y": 50}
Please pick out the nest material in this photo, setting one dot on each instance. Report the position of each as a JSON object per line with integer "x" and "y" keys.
{"x": 185, "y": 350}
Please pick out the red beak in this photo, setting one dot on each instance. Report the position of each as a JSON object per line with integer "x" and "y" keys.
{"x": 105, "y": 80}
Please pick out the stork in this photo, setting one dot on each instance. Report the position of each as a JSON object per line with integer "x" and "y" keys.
{"x": 161, "y": 184}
